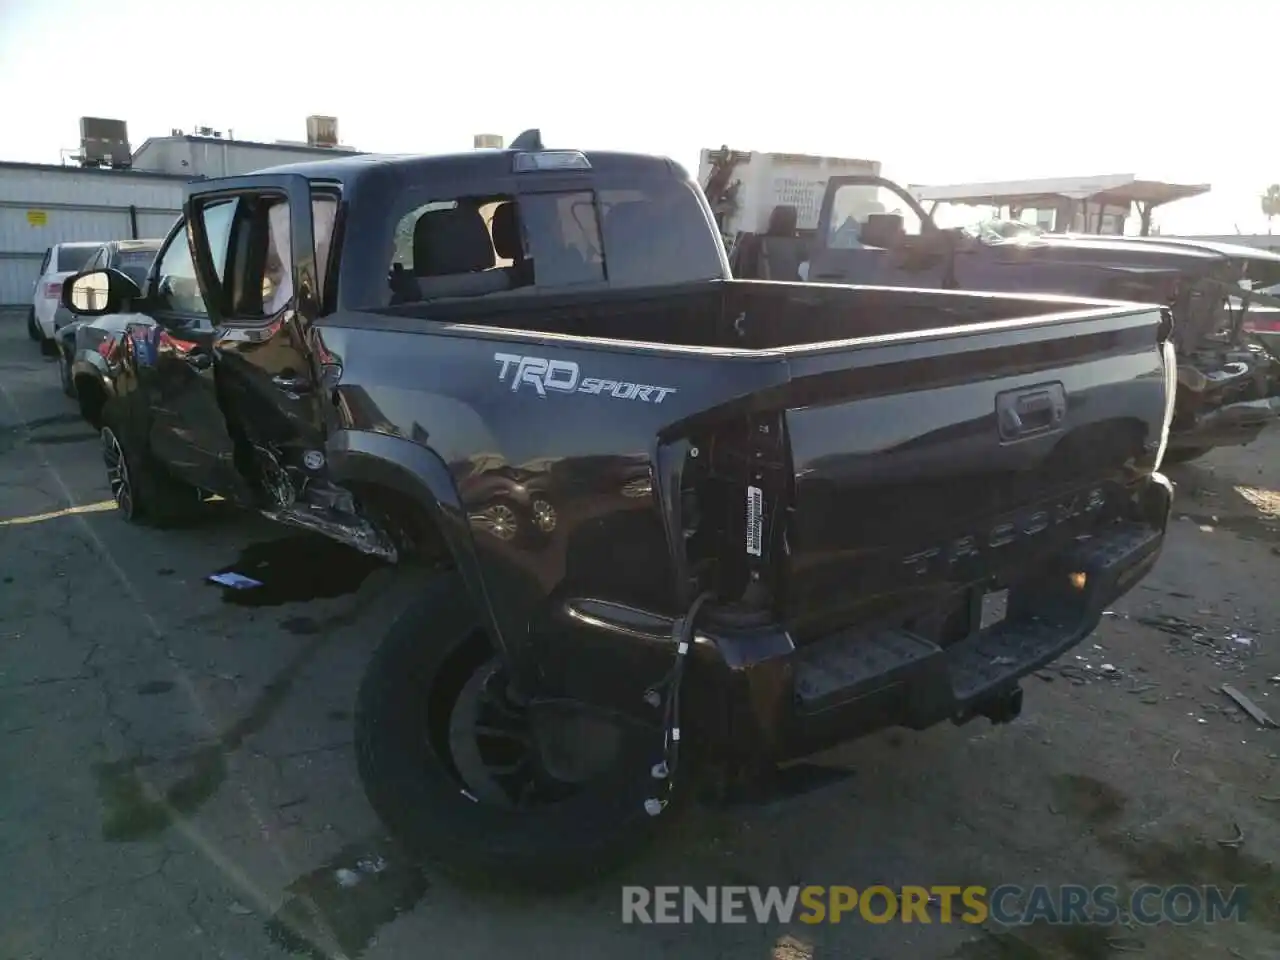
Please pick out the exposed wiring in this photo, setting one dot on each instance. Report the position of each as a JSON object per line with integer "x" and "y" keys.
{"x": 667, "y": 694}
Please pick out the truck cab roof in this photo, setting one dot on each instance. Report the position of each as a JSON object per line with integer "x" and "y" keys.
{"x": 471, "y": 164}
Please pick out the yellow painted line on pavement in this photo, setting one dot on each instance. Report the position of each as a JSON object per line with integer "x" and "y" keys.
{"x": 100, "y": 507}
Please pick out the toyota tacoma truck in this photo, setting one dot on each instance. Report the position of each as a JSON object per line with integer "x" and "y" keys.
{"x": 871, "y": 230}
{"x": 775, "y": 516}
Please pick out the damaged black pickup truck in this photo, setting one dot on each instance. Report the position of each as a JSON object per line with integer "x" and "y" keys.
{"x": 872, "y": 231}
{"x": 771, "y": 515}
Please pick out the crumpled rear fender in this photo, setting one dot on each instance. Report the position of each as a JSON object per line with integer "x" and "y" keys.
{"x": 418, "y": 473}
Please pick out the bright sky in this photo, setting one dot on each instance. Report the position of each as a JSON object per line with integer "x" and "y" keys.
{"x": 937, "y": 91}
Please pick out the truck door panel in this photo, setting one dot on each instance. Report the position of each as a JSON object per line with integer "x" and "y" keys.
{"x": 263, "y": 309}
{"x": 173, "y": 355}
{"x": 872, "y": 232}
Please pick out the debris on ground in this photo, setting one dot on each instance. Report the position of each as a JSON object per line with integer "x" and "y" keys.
{"x": 1259, "y": 715}
{"x": 365, "y": 865}
{"x": 236, "y": 581}
{"x": 1226, "y": 647}
{"x": 371, "y": 864}
{"x": 1236, "y": 842}
{"x": 1126, "y": 944}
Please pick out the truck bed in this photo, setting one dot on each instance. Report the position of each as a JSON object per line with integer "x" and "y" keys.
{"x": 861, "y": 452}
{"x": 748, "y": 314}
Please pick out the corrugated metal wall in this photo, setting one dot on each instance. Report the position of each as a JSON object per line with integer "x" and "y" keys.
{"x": 44, "y": 205}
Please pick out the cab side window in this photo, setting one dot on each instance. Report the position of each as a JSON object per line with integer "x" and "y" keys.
{"x": 176, "y": 286}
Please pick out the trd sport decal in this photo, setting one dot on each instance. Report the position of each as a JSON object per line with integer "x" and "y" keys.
{"x": 562, "y": 376}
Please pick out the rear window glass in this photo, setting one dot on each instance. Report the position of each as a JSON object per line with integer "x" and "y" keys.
{"x": 73, "y": 259}
{"x": 656, "y": 235}
{"x": 135, "y": 264}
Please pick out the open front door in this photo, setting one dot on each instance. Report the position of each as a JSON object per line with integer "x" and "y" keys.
{"x": 264, "y": 287}
{"x": 871, "y": 231}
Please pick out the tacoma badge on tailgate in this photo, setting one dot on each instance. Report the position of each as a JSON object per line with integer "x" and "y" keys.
{"x": 562, "y": 376}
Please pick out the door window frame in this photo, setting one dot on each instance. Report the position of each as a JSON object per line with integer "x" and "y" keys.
{"x": 246, "y": 252}
{"x": 177, "y": 234}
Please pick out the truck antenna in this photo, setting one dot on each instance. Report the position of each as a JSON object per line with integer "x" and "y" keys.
{"x": 529, "y": 140}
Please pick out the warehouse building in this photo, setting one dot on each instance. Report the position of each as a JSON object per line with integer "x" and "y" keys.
{"x": 106, "y": 191}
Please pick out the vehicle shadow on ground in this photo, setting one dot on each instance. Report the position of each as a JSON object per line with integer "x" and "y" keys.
{"x": 911, "y": 813}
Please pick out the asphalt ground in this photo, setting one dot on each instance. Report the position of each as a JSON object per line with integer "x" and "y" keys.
{"x": 177, "y": 778}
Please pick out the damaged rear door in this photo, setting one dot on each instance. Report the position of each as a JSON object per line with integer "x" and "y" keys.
{"x": 262, "y": 306}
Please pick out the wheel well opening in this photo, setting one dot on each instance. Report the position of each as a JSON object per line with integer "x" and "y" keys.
{"x": 408, "y": 522}
{"x": 92, "y": 397}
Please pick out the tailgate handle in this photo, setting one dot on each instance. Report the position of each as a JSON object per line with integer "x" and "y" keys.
{"x": 1031, "y": 411}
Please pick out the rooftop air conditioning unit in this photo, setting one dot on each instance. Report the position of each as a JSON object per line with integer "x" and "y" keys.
{"x": 322, "y": 131}
{"x": 104, "y": 143}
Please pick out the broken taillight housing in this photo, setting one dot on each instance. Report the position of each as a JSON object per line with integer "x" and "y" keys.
{"x": 1169, "y": 360}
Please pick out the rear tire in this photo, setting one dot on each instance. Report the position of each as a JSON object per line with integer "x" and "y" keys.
{"x": 435, "y": 666}
{"x": 33, "y": 328}
{"x": 143, "y": 492}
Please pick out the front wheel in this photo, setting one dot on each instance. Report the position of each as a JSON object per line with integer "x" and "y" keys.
{"x": 64, "y": 373}
{"x": 538, "y": 796}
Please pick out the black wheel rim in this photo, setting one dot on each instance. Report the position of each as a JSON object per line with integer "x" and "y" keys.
{"x": 117, "y": 472}
{"x": 491, "y": 747}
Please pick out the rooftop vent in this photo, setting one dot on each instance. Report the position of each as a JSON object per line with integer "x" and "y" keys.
{"x": 104, "y": 143}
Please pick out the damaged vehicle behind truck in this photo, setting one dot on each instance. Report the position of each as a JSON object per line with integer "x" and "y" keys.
{"x": 782, "y": 515}
{"x": 873, "y": 231}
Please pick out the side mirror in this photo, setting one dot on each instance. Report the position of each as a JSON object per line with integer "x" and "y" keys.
{"x": 98, "y": 292}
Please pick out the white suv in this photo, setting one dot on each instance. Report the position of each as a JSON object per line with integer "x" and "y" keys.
{"x": 60, "y": 261}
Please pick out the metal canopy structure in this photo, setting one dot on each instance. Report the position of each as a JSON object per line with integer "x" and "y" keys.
{"x": 1067, "y": 194}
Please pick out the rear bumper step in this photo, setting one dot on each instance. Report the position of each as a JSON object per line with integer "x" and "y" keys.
{"x": 762, "y": 701}
{"x": 856, "y": 682}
